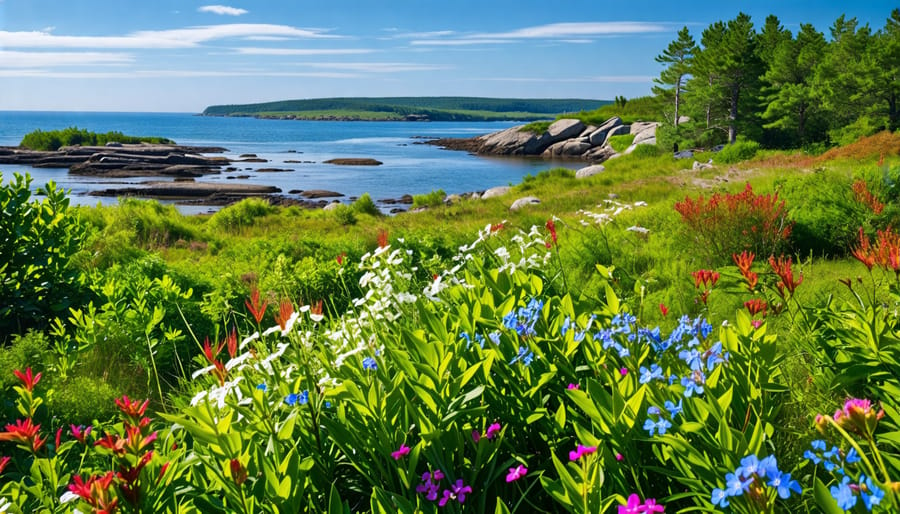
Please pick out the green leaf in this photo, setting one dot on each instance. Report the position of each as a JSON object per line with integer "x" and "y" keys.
{"x": 824, "y": 500}
{"x": 334, "y": 501}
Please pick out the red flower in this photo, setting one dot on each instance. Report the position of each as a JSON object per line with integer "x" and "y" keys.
{"x": 782, "y": 268}
{"x": 28, "y": 380}
{"x": 112, "y": 442}
{"x": 551, "y": 226}
{"x": 706, "y": 277}
{"x": 863, "y": 252}
{"x": 25, "y": 433}
{"x": 496, "y": 227}
{"x": 340, "y": 258}
{"x": 96, "y": 492}
{"x": 58, "y": 437}
{"x": 231, "y": 343}
{"x": 285, "y": 310}
{"x": 3, "y": 462}
{"x": 132, "y": 408}
{"x": 238, "y": 472}
{"x": 743, "y": 261}
{"x": 756, "y": 306}
{"x": 256, "y": 306}
{"x": 382, "y": 238}
{"x": 663, "y": 309}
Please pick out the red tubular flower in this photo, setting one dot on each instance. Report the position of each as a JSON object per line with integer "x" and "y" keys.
{"x": 382, "y": 238}
{"x": 340, "y": 258}
{"x": 25, "y": 433}
{"x": 743, "y": 261}
{"x": 231, "y": 343}
{"x": 285, "y": 310}
{"x": 756, "y": 306}
{"x": 4, "y": 461}
{"x": 551, "y": 227}
{"x": 706, "y": 277}
{"x": 782, "y": 268}
{"x": 58, "y": 438}
{"x": 132, "y": 408}
{"x": 256, "y": 306}
{"x": 863, "y": 251}
{"x": 132, "y": 473}
{"x": 663, "y": 309}
{"x": 96, "y": 492}
{"x": 113, "y": 443}
{"x": 238, "y": 471}
{"x": 28, "y": 380}
{"x": 496, "y": 227}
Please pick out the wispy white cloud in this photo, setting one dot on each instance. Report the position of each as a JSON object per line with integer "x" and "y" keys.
{"x": 577, "y": 31}
{"x": 222, "y": 9}
{"x": 145, "y": 74}
{"x": 302, "y": 51}
{"x": 615, "y": 79}
{"x": 377, "y": 67}
{"x": 159, "y": 39}
{"x": 15, "y": 59}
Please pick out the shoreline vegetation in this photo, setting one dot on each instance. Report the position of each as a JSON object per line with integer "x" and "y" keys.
{"x": 409, "y": 109}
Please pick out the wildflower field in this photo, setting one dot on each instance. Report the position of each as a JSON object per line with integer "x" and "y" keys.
{"x": 685, "y": 351}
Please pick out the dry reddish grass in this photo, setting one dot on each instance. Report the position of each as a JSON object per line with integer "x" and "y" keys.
{"x": 884, "y": 143}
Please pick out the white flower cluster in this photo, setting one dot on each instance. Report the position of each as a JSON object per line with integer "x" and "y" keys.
{"x": 611, "y": 209}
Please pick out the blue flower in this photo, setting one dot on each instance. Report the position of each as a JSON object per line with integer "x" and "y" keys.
{"x": 294, "y": 398}
{"x": 653, "y": 410}
{"x": 692, "y": 358}
{"x": 525, "y": 356}
{"x": 261, "y": 387}
{"x": 370, "y": 364}
{"x": 692, "y": 386}
{"x": 734, "y": 486}
{"x": 869, "y": 492}
{"x": 843, "y": 494}
{"x": 749, "y": 466}
{"x": 818, "y": 444}
{"x": 673, "y": 409}
{"x": 659, "y": 426}
{"x": 809, "y": 455}
{"x": 719, "y": 498}
{"x": 783, "y": 484}
{"x": 494, "y": 337}
{"x": 852, "y": 457}
{"x": 768, "y": 466}
{"x": 654, "y": 373}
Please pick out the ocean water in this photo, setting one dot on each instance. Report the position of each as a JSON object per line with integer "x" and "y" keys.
{"x": 409, "y": 167}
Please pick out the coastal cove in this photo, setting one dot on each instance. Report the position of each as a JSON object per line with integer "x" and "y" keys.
{"x": 302, "y": 147}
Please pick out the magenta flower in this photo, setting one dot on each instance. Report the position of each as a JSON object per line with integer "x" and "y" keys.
{"x": 476, "y": 435}
{"x": 403, "y": 450}
{"x": 573, "y": 386}
{"x": 457, "y": 491}
{"x": 623, "y": 371}
{"x": 516, "y": 473}
{"x": 580, "y": 451}
{"x": 620, "y": 457}
{"x": 492, "y": 431}
{"x": 634, "y": 506}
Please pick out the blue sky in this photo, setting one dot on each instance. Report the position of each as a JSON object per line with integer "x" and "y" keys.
{"x": 180, "y": 56}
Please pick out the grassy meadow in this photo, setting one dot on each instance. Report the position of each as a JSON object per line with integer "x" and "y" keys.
{"x": 653, "y": 337}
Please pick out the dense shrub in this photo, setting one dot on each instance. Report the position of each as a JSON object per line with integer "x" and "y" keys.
{"x": 344, "y": 214}
{"x": 365, "y": 205}
{"x": 742, "y": 150}
{"x": 54, "y": 139}
{"x": 825, "y": 213}
{"x": 432, "y": 199}
{"x": 727, "y": 223}
{"x": 37, "y": 239}
{"x": 242, "y": 214}
{"x": 81, "y": 400}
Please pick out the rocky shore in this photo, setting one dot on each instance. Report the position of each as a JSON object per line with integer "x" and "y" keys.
{"x": 564, "y": 139}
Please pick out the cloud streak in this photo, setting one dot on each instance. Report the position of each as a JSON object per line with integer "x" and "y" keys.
{"x": 222, "y": 10}
{"x": 302, "y": 51}
{"x": 16, "y": 59}
{"x": 159, "y": 39}
{"x": 578, "y": 31}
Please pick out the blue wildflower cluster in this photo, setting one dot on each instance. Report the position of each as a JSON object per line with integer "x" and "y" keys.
{"x": 847, "y": 492}
{"x": 661, "y": 425}
{"x": 294, "y": 398}
{"x": 577, "y": 335}
{"x": 525, "y": 356}
{"x": 524, "y": 319}
{"x": 620, "y": 325}
{"x": 369, "y": 363}
{"x": 756, "y": 473}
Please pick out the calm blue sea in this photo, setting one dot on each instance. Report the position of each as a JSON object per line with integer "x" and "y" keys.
{"x": 408, "y": 168}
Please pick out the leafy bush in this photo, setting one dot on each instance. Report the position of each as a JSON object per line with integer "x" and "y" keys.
{"x": 726, "y": 224}
{"x": 52, "y": 140}
{"x": 432, "y": 199}
{"x": 621, "y": 142}
{"x": 344, "y": 214}
{"x": 365, "y": 205}
{"x": 81, "y": 400}
{"x": 242, "y": 214}
{"x": 736, "y": 152}
{"x": 37, "y": 240}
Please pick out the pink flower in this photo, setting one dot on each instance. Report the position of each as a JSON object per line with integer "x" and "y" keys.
{"x": 516, "y": 473}
{"x": 580, "y": 451}
{"x": 492, "y": 431}
{"x": 573, "y": 386}
{"x": 623, "y": 371}
{"x": 634, "y": 506}
{"x": 403, "y": 450}
{"x": 476, "y": 435}
{"x": 620, "y": 457}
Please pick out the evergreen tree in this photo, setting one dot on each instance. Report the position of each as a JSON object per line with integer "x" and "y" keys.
{"x": 770, "y": 38}
{"x": 792, "y": 97}
{"x": 678, "y": 57}
{"x": 705, "y": 97}
{"x": 842, "y": 74}
{"x": 885, "y": 82}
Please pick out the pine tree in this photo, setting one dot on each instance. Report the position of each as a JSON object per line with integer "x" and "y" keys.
{"x": 704, "y": 94}
{"x": 885, "y": 82}
{"x": 678, "y": 57}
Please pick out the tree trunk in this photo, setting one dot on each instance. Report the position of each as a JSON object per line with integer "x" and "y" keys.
{"x": 677, "y": 99}
{"x": 801, "y": 122}
{"x": 732, "y": 115}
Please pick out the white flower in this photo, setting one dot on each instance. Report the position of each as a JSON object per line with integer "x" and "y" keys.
{"x": 249, "y": 339}
{"x": 65, "y": 498}
{"x": 202, "y": 371}
{"x": 639, "y": 230}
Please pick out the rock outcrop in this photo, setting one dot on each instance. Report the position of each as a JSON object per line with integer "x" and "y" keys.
{"x": 563, "y": 139}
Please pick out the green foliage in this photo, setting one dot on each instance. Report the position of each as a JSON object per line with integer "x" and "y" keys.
{"x": 37, "y": 239}
{"x": 642, "y": 151}
{"x": 432, "y": 199}
{"x": 52, "y": 140}
{"x": 242, "y": 214}
{"x": 81, "y": 399}
{"x": 741, "y": 150}
{"x": 621, "y": 142}
{"x": 25, "y": 350}
{"x": 536, "y": 127}
{"x": 642, "y": 108}
{"x": 365, "y": 205}
{"x": 344, "y": 214}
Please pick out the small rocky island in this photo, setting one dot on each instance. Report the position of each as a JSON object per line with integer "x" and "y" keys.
{"x": 564, "y": 139}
